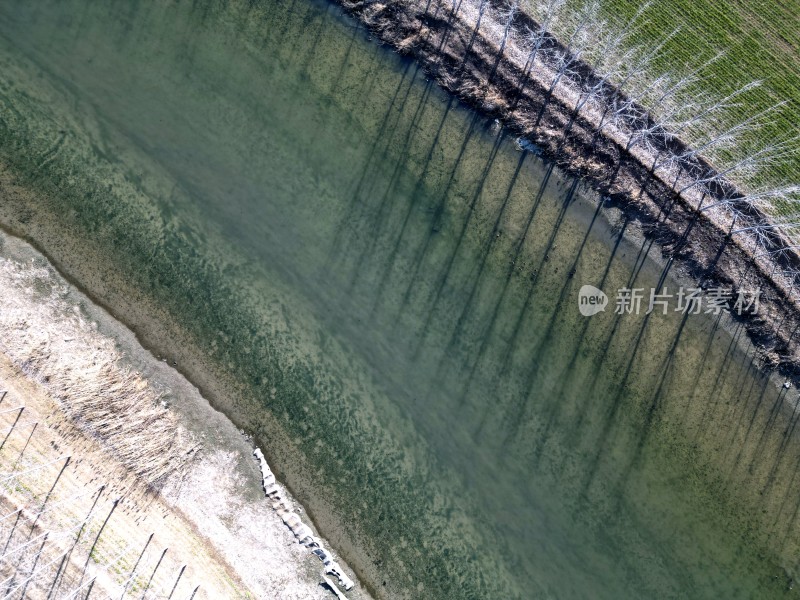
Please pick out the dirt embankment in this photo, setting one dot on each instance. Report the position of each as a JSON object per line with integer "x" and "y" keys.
{"x": 468, "y": 63}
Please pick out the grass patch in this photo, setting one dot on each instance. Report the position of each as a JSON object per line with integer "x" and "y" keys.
{"x": 760, "y": 41}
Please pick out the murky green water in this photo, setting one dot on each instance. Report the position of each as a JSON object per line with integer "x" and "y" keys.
{"x": 391, "y": 286}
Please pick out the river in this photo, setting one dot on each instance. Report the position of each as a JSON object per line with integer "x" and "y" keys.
{"x": 391, "y": 284}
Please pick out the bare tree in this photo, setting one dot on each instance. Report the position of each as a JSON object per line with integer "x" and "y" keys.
{"x": 751, "y": 162}
{"x": 598, "y": 88}
{"x": 622, "y": 109}
{"x": 536, "y": 39}
{"x": 774, "y": 224}
{"x": 482, "y": 8}
{"x": 705, "y": 117}
{"x": 507, "y": 16}
{"x": 724, "y": 139}
{"x": 769, "y": 198}
{"x": 566, "y": 60}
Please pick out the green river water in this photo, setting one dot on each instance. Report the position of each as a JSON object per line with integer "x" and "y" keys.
{"x": 387, "y": 288}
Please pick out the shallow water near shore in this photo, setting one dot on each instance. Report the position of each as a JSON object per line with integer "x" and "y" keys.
{"x": 393, "y": 286}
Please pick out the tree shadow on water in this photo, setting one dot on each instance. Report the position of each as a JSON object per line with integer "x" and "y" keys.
{"x": 391, "y": 194}
{"x": 345, "y": 230}
{"x": 433, "y": 230}
{"x": 485, "y": 335}
{"x": 476, "y": 281}
{"x": 560, "y": 398}
{"x": 451, "y": 258}
{"x": 515, "y": 417}
{"x": 414, "y": 199}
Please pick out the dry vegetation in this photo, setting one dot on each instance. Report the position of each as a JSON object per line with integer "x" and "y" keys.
{"x": 108, "y": 401}
{"x": 75, "y": 525}
{"x": 104, "y": 489}
{"x": 82, "y": 452}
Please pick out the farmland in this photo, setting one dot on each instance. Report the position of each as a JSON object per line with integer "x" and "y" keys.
{"x": 760, "y": 41}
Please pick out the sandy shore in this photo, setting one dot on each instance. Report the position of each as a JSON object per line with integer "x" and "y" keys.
{"x": 214, "y": 535}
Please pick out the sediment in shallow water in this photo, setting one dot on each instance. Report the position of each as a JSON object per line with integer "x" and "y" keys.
{"x": 382, "y": 288}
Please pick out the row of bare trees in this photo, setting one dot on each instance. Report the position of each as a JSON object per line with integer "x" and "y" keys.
{"x": 695, "y": 142}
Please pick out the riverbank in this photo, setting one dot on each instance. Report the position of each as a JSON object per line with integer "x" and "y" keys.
{"x": 470, "y": 50}
{"x": 309, "y": 230}
{"x": 185, "y": 495}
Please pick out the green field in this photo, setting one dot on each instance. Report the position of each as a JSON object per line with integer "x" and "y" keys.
{"x": 760, "y": 41}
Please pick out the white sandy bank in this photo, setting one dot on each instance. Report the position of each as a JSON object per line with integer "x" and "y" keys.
{"x": 99, "y": 375}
